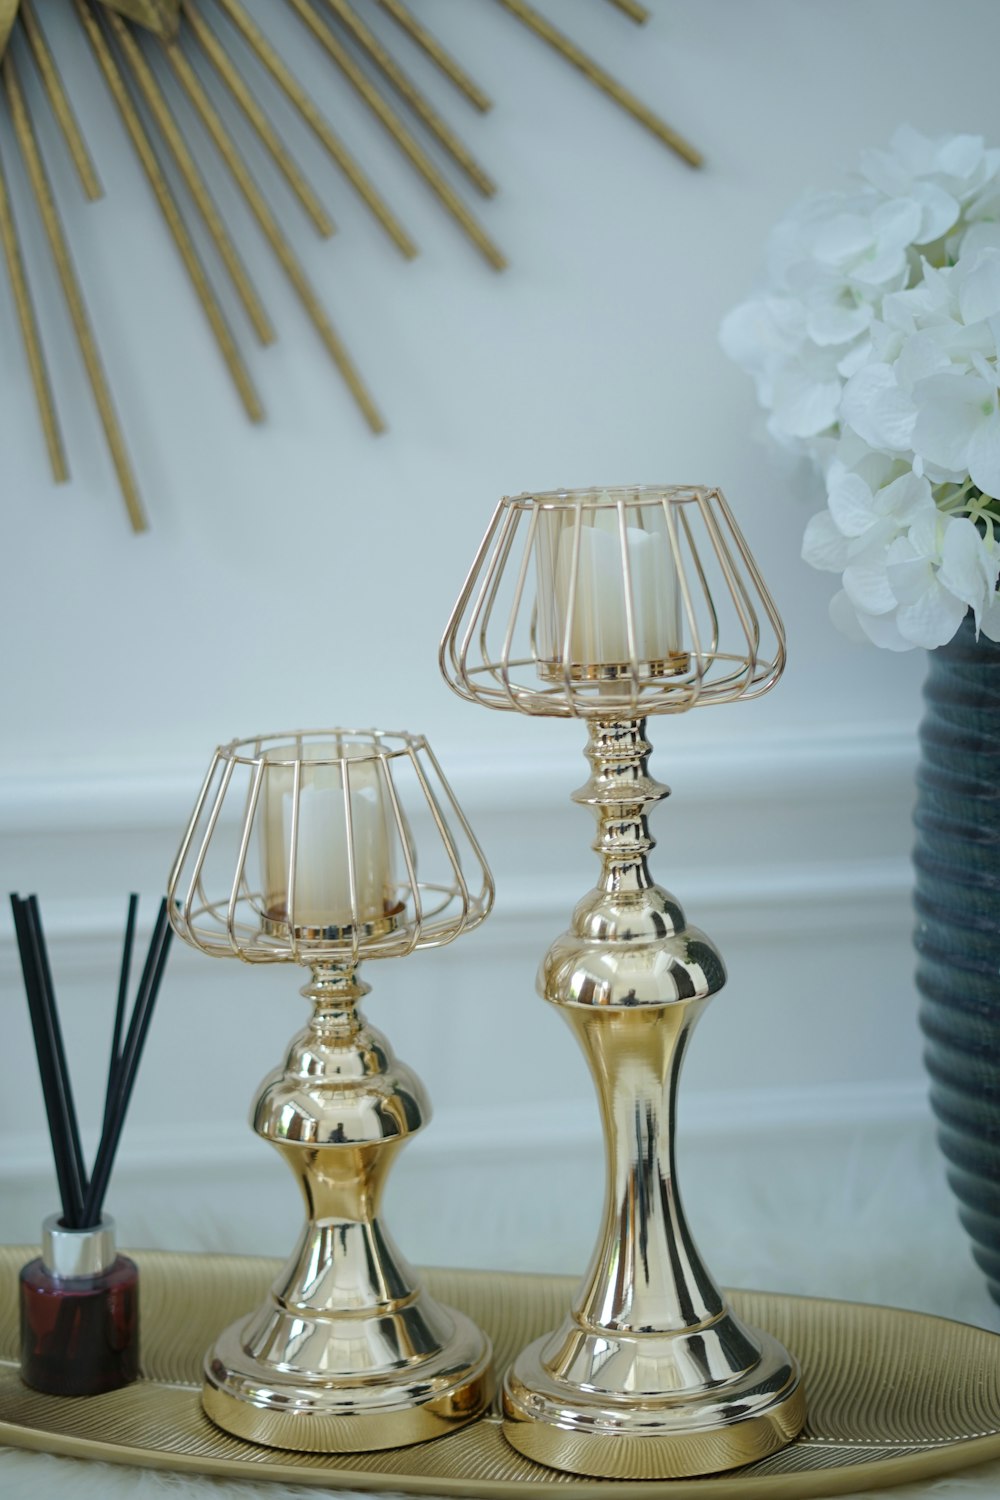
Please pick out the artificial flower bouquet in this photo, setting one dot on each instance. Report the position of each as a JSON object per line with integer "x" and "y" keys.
{"x": 875, "y": 348}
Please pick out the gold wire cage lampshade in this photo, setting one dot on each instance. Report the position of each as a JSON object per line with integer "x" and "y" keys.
{"x": 613, "y": 603}
{"x": 305, "y": 845}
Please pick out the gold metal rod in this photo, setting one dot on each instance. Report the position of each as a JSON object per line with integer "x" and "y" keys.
{"x": 172, "y": 214}
{"x": 631, "y": 8}
{"x": 404, "y": 140}
{"x": 428, "y": 43}
{"x": 55, "y": 234}
{"x": 320, "y": 126}
{"x": 268, "y": 136}
{"x": 162, "y": 17}
{"x": 32, "y": 338}
{"x": 212, "y": 120}
{"x": 417, "y": 101}
{"x": 59, "y": 102}
{"x": 173, "y": 137}
{"x": 8, "y": 15}
{"x": 602, "y": 80}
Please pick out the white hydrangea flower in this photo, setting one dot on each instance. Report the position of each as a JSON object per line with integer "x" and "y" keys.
{"x": 957, "y": 426}
{"x": 910, "y": 572}
{"x": 948, "y": 325}
{"x": 941, "y": 176}
{"x": 875, "y": 349}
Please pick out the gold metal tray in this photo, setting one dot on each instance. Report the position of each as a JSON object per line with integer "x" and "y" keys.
{"x": 893, "y": 1396}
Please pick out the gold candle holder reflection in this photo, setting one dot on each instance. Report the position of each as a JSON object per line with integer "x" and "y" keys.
{"x": 319, "y": 867}
{"x": 646, "y": 600}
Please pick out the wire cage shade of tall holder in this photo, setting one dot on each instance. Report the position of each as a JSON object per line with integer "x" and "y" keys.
{"x": 326, "y": 848}
{"x": 609, "y": 606}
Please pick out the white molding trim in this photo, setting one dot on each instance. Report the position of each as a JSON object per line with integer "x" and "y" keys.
{"x": 56, "y": 800}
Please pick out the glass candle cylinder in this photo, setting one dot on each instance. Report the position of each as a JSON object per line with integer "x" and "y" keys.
{"x": 79, "y": 1305}
{"x": 326, "y": 846}
{"x": 608, "y": 598}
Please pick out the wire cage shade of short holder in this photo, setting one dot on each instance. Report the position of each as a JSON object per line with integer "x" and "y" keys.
{"x": 618, "y": 602}
{"x": 324, "y": 848}
{"x": 608, "y": 606}
{"x": 306, "y": 847}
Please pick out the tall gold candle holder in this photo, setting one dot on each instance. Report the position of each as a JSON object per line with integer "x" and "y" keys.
{"x": 303, "y": 848}
{"x": 609, "y": 606}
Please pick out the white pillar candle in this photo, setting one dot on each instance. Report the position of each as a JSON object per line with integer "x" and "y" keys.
{"x": 598, "y": 634}
{"x": 321, "y": 893}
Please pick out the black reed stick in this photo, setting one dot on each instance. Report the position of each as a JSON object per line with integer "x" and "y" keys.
{"x": 48, "y": 988}
{"x": 82, "y": 1203}
{"x": 55, "y": 1083}
{"x": 119, "y": 1023}
{"x": 142, "y": 1015}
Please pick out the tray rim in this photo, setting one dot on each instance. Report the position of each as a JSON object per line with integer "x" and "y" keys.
{"x": 938, "y": 1457}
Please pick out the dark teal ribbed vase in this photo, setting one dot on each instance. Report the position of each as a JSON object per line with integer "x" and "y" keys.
{"x": 957, "y": 859}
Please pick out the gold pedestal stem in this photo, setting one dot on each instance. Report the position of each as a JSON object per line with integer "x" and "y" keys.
{"x": 651, "y": 1375}
{"x": 349, "y": 1353}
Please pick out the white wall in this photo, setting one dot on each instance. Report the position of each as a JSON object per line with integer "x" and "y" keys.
{"x": 302, "y": 573}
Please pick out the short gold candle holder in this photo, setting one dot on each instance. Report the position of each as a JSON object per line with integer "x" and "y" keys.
{"x": 303, "y": 848}
{"x": 644, "y": 600}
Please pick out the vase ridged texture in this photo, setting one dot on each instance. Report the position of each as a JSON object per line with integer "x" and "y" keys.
{"x": 957, "y": 860}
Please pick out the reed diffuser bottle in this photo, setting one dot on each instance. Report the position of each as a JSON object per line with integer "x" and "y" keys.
{"x": 79, "y": 1312}
{"x": 79, "y": 1299}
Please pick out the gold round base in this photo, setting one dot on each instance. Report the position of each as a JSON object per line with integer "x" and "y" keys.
{"x": 614, "y": 1435}
{"x": 279, "y": 1407}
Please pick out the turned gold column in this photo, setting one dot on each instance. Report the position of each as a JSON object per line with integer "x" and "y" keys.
{"x": 365, "y": 1358}
{"x": 650, "y": 1373}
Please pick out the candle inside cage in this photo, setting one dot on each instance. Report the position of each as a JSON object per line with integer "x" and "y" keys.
{"x": 325, "y": 842}
{"x": 607, "y": 586}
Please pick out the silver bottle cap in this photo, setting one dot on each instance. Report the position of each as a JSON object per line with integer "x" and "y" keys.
{"x": 78, "y": 1252}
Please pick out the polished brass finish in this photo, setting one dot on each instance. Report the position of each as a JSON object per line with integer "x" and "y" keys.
{"x": 452, "y": 893}
{"x": 651, "y": 1374}
{"x": 270, "y": 228}
{"x": 438, "y": 54}
{"x": 894, "y": 1397}
{"x": 407, "y": 143}
{"x": 59, "y": 102}
{"x": 171, "y": 213}
{"x": 733, "y": 643}
{"x": 28, "y": 322}
{"x": 320, "y": 126}
{"x": 603, "y": 80}
{"x": 677, "y": 664}
{"x": 54, "y": 233}
{"x": 349, "y": 1352}
{"x": 383, "y": 59}
{"x": 268, "y": 136}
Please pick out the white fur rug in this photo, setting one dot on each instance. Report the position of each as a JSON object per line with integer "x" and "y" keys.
{"x": 861, "y": 1214}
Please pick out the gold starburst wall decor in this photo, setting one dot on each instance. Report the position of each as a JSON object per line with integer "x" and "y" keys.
{"x": 153, "y": 52}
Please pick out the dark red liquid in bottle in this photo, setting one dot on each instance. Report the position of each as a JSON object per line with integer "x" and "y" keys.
{"x": 79, "y": 1334}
